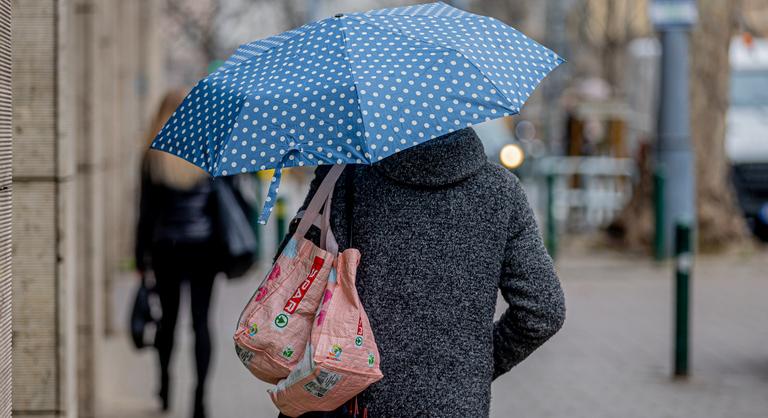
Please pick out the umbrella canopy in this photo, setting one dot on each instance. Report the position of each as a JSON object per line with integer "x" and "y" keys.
{"x": 354, "y": 88}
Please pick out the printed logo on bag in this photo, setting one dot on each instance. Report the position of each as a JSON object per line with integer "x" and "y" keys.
{"x": 359, "y": 338}
{"x": 274, "y": 274}
{"x": 335, "y": 353}
{"x": 281, "y": 320}
{"x": 245, "y": 356}
{"x": 324, "y": 382}
{"x": 288, "y": 352}
{"x": 253, "y": 330}
{"x": 301, "y": 291}
{"x": 371, "y": 359}
{"x": 260, "y": 293}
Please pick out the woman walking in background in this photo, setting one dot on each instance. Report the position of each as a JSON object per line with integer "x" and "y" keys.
{"x": 174, "y": 240}
{"x": 441, "y": 230}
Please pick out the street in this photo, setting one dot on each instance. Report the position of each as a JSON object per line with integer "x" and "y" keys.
{"x": 612, "y": 358}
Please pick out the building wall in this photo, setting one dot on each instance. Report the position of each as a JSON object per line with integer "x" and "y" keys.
{"x": 43, "y": 212}
{"x": 133, "y": 84}
{"x": 5, "y": 209}
{"x": 85, "y": 69}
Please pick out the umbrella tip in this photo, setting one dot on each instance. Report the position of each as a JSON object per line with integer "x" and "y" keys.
{"x": 339, "y": 15}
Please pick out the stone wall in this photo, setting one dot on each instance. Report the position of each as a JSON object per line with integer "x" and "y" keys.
{"x": 5, "y": 209}
{"x": 86, "y": 76}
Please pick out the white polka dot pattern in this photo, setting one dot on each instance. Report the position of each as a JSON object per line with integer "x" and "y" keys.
{"x": 354, "y": 88}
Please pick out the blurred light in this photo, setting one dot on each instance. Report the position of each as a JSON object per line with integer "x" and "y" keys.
{"x": 511, "y": 156}
{"x": 525, "y": 130}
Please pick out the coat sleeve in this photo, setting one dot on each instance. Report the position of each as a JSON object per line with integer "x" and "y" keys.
{"x": 530, "y": 286}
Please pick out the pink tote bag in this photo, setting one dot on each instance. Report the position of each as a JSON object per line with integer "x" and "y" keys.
{"x": 341, "y": 358}
{"x": 274, "y": 327}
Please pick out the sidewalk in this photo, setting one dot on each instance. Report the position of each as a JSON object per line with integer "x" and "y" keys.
{"x": 612, "y": 358}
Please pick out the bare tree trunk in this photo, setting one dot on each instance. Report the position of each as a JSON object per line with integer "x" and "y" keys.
{"x": 720, "y": 221}
{"x": 633, "y": 228}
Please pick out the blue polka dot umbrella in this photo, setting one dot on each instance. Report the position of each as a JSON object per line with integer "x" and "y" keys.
{"x": 354, "y": 88}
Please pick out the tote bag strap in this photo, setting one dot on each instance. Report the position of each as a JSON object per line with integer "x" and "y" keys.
{"x": 322, "y": 197}
{"x": 326, "y": 232}
{"x": 349, "y": 208}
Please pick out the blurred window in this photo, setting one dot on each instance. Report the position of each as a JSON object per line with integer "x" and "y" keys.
{"x": 749, "y": 88}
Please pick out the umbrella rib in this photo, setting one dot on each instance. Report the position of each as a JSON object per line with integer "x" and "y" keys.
{"x": 515, "y": 111}
{"x": 357, "y": 92}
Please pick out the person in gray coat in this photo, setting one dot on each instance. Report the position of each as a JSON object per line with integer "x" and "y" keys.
{"x": 441, "y": 230}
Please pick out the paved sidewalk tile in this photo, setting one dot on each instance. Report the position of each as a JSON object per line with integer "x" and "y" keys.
{"x": 612, "y": 358}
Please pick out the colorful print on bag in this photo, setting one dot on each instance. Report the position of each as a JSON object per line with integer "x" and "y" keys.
{"x": 335, "y": 353}
{"x": 326, "y": 297}
{"x": 301, "y": 291}
{"x": 288, "y": 352}
{"x": 359, "y": 337}
{"x": 262, "y": 291}
{"x": 281, "y": 320}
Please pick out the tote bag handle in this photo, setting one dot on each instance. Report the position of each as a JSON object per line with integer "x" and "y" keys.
{"x": 349, "y": 207}
{"x": 322, "y": 198}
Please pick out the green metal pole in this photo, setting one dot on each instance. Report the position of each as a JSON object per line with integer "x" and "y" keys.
{"x": 684, "y": 261}
{"x": 551, "y": 239}
{"x": 281, "y": 221}
{"x": 659, "y": 247}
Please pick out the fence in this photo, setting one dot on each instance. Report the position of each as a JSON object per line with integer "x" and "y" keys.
{"x": 587, "y": 192}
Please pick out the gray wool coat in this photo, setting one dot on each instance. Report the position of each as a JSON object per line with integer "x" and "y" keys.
{"x": 441, "y": 231}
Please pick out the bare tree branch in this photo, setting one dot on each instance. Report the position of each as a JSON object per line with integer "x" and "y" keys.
{"x": 201, "y": 30}
{"x": 186, "y": 20}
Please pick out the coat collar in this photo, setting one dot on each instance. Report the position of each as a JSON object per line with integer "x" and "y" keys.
{"x": 442, "y": 161}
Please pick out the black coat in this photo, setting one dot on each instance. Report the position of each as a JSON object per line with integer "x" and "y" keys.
{"x": 170, "y": 216}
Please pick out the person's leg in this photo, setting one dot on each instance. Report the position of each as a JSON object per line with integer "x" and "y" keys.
{"x": 200, "y": 289}
{"x": 168, "y": 286}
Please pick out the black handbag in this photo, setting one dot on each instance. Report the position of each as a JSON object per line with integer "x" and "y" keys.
{"x": 142, "y": 316}
{"x": 235, "y": 239}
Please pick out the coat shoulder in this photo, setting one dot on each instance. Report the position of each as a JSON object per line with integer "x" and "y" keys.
{"x": 500, "y": 178}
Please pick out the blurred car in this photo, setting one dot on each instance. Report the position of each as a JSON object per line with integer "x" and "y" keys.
{"x": 746, "y": 139}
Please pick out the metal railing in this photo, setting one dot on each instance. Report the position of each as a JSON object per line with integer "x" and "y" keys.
{"x": 582, "y": 193}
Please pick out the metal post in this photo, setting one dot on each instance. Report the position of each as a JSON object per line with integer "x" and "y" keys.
{"x": 556, "y": 13}
{"x": 659, "y": 249}
{"x": 551, "y": 239}
{"x": 684, "y": 261}
{"x": 675, "y": 160}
